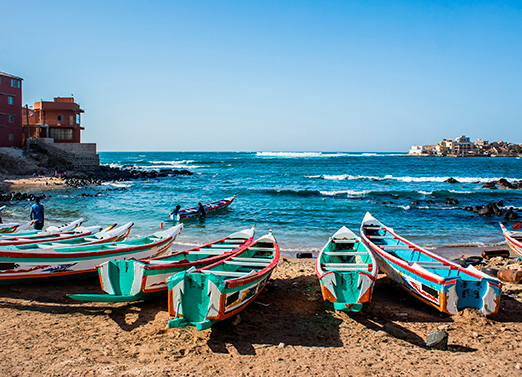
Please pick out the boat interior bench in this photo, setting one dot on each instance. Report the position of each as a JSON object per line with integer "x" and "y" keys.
{"x": 345, "y": 253}
{"x": 226, "y": 273}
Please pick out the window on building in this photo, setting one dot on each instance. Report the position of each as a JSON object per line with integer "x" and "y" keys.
{"x": 10, "y": 100}
{"x": 11, "y": 118}
{"x": 60, "y": 118}
{"x": 77, "y": 118}
{"x": 61, "y": 133}
{"x": 11, "y": 137}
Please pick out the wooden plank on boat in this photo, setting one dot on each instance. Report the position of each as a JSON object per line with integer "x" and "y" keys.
{"x": 249, "y": 264}
{"x": 268, "y": 260}
{"x": 226, "y": 273}
{"x": 379, "y": 237}
{"x": 353, "y": 265}
{"x": 261, "y": 248}
{"x": 220, "y": 246}
{"x": 345, "y": 241}
{"x": 209, "y": 252}
{"x": 345, "y": 253}
{"x": 394, "y": 247}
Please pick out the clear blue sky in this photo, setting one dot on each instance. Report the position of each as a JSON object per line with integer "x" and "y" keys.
{"x": 272, "y": 75}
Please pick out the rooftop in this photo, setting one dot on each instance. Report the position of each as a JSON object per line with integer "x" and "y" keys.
{"x": 3, "y": 74}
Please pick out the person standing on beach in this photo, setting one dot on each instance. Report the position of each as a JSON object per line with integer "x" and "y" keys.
{"x": 37, "y": 213}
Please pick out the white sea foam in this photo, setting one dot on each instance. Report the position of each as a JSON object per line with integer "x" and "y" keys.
{"x": 117, "y": 184}
{"x": 348, "y": 193}
{"x": 425, "y": 192}
{"x": 406, "y": 208}
{"x": 406, "y": 179}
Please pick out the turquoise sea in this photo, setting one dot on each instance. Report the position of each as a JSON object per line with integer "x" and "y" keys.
{"x": 304, "y": 196}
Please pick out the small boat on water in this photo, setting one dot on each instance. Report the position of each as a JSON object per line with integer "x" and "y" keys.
{"x": 513, "y": 239}
{"x": 10, "y": 228}
{"x": 188, "y": 213}
{"x": 429, "y": 277}
{"x": 201, "y": 297}
{"x": 132, "y": 280}
{"x": 347, "y": 271}
{"x": 84, "y": 236}
{"x": 79, "y": 261}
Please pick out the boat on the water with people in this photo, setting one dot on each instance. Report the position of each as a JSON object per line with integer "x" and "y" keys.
{"x": 513, "y": 239}
{"x": 347, "y": 271}
{"x": 187, "y": 213}
{"x": 429, "y": 277}
{"x": 132, "y": 280}
{"x": 79, "y": 261}
{"x": 204, "y": 296}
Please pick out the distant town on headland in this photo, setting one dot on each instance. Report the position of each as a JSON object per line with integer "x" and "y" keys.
{"x": 463, "y": 147}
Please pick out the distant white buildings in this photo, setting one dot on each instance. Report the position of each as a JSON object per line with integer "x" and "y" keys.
{"x": 459, "y": 146}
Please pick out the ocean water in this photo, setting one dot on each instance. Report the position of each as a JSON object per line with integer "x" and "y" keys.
{"x": 304, "y": 196}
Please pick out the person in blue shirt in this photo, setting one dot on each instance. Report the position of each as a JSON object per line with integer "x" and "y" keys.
{"x": 37, "y": 213}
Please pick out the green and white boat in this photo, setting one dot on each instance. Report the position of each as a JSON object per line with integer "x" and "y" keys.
{"x": 347, "y": 271}
{"x": 78, "y": 261}
{"x": 25, "y": 231}
{"x": 201, "y": 297}
{"x": 132, "y": 280}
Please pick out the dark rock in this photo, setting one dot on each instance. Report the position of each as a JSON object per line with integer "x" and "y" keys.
{"x": 304, "y": 255}
{"x": 430, "y": 201}
{"x": 438, "y": 340}
{"x": 451, "y": 180}
{"x": 504, "y": 184}
{"x": 510, "y": 215}
{"x": 500, "y": 203}
{"x": 415, "y": 202}
{"x": 451, "y": 201}
{"x": 391, "y": 329}
{"x": 490, "y": 185}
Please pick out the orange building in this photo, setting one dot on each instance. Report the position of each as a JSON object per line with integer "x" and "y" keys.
{"x": 59, "y": 120}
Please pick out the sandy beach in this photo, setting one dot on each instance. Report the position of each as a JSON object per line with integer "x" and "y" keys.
{"x": 288, "y": 330}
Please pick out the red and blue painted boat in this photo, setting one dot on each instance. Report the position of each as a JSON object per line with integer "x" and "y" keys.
{"x": 188, "y": 213}
{"x": 79, "y": 261}
{"x": 204, "y": 296}
{"x": 427, "y": 276}
{"x": 132, "y": 280}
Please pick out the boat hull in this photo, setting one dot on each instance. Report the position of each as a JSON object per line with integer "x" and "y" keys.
{"x": 430, "y": 278}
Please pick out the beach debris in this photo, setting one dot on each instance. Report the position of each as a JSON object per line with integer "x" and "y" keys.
{"x": 474, "y": 260}
{"x": 304, "y": 255}
{"x": 281, "y": 345}
{"x": 510, "y": 275}
{"x": 443, "y": 327}
{"x": 460, "y": 261}
{"x": 402, "y": 315}
{"x": 490, "y": 271}
{"x": 488, "y": 254}
{"x": 437, "y": 340}
{"x": 510, "y": 214}
{"x": 393, "y": 330}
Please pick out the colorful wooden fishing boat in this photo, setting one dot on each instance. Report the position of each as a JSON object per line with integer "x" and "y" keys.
{"x": 201, "y": 297}
{"x": 429, "y": 277}
{"x": 347, "y": 271}
{"x": 27, "y": 232}
{"x": 184, "y": 214}
{"x": 513, "y": 239}
{"x": 131, "y": 280}
{"x": 79, "y": 261}
{"x": 83, "y": 236}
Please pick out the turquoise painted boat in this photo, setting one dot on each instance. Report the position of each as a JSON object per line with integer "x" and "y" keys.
{"x": 24, "y": 232}
{"x": 201, "y": 297}
{"x": 79, "y": 261}
{"x": 83, "y": 236}
{"x": 347, "y": 271}
{"x": 132, "y": 280}
{"x": 429, "y": 277}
